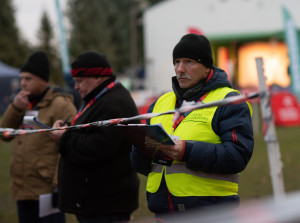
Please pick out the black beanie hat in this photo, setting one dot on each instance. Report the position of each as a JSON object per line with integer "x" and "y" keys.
{"x": 38, "y": 65}
{"x": 196, "y": 47}
{"x": 91, "y": 64}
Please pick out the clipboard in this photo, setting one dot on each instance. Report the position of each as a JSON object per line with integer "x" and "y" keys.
{"x": 32, "y": 120}
{"x": 146, "y": 138}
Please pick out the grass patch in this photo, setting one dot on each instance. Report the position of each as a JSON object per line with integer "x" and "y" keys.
{"x": 8, "y": 212}
{"x": 255, "y": 181}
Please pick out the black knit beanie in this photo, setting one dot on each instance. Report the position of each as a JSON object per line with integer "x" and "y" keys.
{"x": 196, "y": 47}
{"x": 91, "y": 64}
{"x": 38, "y": 65}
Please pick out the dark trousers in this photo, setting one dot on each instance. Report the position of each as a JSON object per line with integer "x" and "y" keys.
{"x": 103, "y": 219}
{"x": 28, "y": 212}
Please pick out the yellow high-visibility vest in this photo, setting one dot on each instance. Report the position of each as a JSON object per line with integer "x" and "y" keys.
{"x": 196, "y": 126}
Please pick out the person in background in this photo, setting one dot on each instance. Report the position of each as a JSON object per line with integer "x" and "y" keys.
{"x": 35, "y": 157}
{"x": 213, "y": 144}
{"x": 96, "y": 180}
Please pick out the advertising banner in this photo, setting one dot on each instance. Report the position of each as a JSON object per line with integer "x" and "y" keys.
{"x": 285, "y": 108}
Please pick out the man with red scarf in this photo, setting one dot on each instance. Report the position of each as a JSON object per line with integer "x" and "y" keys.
{"x": 96, "y": 181}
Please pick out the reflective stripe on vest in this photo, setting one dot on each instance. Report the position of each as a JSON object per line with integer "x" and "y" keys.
{"x": 180, "y": 180}
{"x": 181, "y": 168}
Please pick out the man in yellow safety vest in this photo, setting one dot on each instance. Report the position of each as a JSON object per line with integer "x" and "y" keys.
{"x": 213, "y": 144}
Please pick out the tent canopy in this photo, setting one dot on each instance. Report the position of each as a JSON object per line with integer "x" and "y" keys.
{"x": 9, "y": 79}
{"x": 8, "y": 71}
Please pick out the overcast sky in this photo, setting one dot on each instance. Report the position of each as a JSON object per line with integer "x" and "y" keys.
{"x": 28, "y": 16}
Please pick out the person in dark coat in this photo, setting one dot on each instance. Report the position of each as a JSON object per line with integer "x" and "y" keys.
{"x": 96, "y": 181}
{"x": 213, "y": 144}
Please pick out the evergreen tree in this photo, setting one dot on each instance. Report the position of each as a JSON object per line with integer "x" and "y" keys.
{"x": 107, "y": 26}
{"x": 45, "y": 42}
{"x": 13, "y": 50}
{"x": 103, "y": 26}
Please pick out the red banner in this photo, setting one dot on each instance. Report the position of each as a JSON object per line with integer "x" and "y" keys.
{"x": 285, "y": 108}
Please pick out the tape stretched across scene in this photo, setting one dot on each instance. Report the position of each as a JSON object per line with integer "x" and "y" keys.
{"x": 186, "y": 107}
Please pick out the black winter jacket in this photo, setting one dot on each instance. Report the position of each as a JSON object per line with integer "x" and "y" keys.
{"x": 229, "y": 157}
{"x": 95, "y": 174}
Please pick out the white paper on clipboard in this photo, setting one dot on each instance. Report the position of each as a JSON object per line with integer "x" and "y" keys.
{"x": 45, "y": 205}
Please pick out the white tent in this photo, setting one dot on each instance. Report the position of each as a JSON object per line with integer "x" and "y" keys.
{"x": 231, "y": 20}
